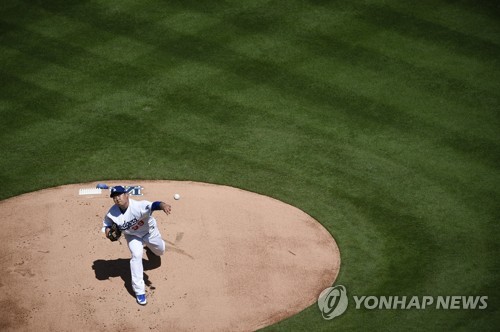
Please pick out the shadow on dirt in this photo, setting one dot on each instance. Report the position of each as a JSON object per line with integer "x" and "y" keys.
{"x": 105, "y": 269}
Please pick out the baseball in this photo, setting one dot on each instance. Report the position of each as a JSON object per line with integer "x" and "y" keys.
{"x": 177, "y": 196}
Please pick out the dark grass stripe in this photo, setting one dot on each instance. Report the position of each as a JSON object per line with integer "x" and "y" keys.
{"x": 419, "y": 78}
{"x": 28, "y": 103}
{"x": 415, "y": 27}
{"x": 61, "y": 53}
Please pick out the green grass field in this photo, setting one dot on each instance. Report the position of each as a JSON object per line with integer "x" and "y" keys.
{"x": 378, "y": 118}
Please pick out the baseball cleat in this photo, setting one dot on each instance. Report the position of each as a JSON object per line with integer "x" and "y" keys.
{"x": 141, "y": 299}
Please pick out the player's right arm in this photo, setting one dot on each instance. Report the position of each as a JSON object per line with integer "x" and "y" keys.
{"x": 159, "y": 205}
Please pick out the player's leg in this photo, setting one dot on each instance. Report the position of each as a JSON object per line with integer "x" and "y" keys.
{"x": 155, "y": 243}
{"x": 155, "y": 247}
{"x": 136, "y": 250}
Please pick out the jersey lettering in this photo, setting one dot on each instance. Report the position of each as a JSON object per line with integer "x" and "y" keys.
{"x": 134, "y": 224}
{"x": 139, "y": 224}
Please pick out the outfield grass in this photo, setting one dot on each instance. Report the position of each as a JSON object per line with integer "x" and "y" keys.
{"x": 378, "y": 118}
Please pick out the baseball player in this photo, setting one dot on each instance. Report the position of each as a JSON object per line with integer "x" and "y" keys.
{"x": 135, "y": 220}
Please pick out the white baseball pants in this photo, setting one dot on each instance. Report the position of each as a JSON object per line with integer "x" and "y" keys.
{"x": 136, "y": 246}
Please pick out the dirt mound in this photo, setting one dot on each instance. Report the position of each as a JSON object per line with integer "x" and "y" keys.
{"x": 235, "y": 260}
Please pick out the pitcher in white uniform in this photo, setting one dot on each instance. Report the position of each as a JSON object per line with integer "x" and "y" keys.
{"x": 135, "y": 220}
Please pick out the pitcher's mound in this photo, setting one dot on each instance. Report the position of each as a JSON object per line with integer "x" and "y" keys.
{"x": 235, "y": 261}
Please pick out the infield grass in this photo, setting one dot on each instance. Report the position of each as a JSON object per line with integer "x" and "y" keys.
{"x": 378, "y": 118}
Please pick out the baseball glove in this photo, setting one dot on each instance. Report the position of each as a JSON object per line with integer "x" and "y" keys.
{"x": 114, "y": 232}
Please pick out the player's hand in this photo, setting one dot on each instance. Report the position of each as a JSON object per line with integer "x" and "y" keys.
{"x": 166, "y": 208}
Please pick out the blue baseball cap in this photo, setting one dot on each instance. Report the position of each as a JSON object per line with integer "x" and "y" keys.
{"x": 117, "y": 190}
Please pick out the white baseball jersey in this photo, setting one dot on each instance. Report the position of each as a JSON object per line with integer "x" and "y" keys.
{"x": 136, "y": 220}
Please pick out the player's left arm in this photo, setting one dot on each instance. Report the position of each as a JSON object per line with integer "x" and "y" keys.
{"x": 159, "y": 205}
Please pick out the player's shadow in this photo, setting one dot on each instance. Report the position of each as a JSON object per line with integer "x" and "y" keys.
{"x": 105, "y": 269}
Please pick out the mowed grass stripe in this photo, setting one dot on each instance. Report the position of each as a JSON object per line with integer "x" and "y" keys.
{"x": 469, "y": 72}
{"x": 414, "y": 26}
{"x": 476, "y": 19}
{"x": 356, "y": 52}
{"x": 55, "y": 51}
{"x": 431, "y": 117}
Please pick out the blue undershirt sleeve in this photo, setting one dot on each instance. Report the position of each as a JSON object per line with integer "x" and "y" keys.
{"x": 155, "y": 206}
